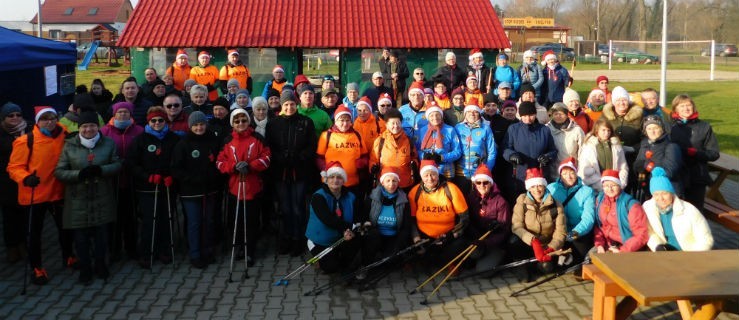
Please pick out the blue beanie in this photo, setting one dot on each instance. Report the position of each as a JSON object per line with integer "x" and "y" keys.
{"x": 660, "y": 181}
{"x": 7, "y": 109}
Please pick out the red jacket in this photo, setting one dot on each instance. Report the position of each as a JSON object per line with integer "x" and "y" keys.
{"x": 244, "y": 146}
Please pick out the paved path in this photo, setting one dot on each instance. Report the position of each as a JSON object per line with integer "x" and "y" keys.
{"x": 654, "y": 75}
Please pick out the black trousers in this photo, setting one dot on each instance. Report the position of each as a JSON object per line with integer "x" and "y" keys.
{"x": 37, "y": 213}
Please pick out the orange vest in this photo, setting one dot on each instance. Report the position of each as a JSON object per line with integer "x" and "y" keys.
{"x": 477, "y": 95}
{"x": 397, "y": 153}
{"x": 179, "y": 75}
{"x": 206, "y": 76}
{"x": 346, "y": 148}
{"x": 444, "y": 104}
{"x": 240, "y": 72}
{"x": 369, "y": 130}
{"x": 434, "y": 211}
{"x": 46, "y": 152}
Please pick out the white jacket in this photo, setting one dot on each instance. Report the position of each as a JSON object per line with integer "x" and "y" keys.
{"x": 567, "y": 141}
{"x": 690, "y": 227}
{"x": 587, "y": 163}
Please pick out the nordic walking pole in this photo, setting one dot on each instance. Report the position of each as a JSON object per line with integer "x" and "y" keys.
{"x": 242, "y": 180}
{"x": 171, "y": 240}
{"x": 153, "y": 227}
{"x": 28, "y": 240}
{"x": 551, "y": 277}
{"x": 233, "y": 241}
{"x": 285, "y": 279}
{"x": 509, "y": 265}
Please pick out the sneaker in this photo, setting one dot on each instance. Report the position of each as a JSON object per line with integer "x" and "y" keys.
{"x": 40, "y": 277}
{"x": 73, "y": 262}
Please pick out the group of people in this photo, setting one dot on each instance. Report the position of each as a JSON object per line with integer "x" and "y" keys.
{"x": 511, "y": 164}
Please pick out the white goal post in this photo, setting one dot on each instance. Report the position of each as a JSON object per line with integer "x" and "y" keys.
{"x": 712, "y": 44}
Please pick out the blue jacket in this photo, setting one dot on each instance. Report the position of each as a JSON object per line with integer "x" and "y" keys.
{"x": 555, "y": 85}
{"x": 580, "y": 210}
{"x": 325, "y": 226}
{"x": 412, "y": 121}
{"x": 352, "y": 106}
{"x": 530, "y": 141}
{"x": 450, "y": 152}
{"x": 478, "y": 146}
{"x": 535, "y": 76}
{"x": 507, "y": 74}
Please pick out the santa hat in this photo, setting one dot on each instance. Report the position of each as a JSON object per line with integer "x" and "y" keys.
{"x": 570, "y": 95}
{"x": 203, "y": 53}
{"x": 366, "y": 101}
{"x": 475, "y": 53}
{"x": 427, "y": 165}
{"x": 528, "y": 54}
{"x": 343, "y": 110}
{"x": 388, "y": 172}
{"x": 483, "y": 173}
{"x": 40, "y": 110}
{"x": 612, "y": 176}
{"x": 233, "y": 51}
{"x": 334, "y": 168}
{"x": 385, "y": 97}
{"x": 534, "y": 177}
{"x": 470, "y": 78}
{"x": 473, "y": 105}
{"x": 414, "y": 89}
{"x": 601, "y": 78}
{"x": 434, "y": 108}
{"x": 181, "y": 53}
{"x": 278, "y": 68}
{"x": 570, "y": 162}
{"x": 620, "y": 93}
{"x": 549, "y": 55}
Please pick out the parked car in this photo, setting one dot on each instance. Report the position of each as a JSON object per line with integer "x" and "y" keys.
{"x": 603, "y": 50}
{"x": 722, "y": 50}
{"x": 564, "y": 53}
{"x": 630, "y": 54}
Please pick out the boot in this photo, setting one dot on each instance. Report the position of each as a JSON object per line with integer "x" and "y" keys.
{"x": 13, "y": 254}
{"x": 85, "y": 275}
{"x": 101, "y": 269}
{"x": 284, "y": 246}
{"x": 298, "y": 247}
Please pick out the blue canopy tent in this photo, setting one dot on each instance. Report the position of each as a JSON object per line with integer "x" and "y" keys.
{"x": 23, "y": 71}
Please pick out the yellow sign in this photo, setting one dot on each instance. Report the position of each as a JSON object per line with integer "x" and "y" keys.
{"x": 528, "y": 22}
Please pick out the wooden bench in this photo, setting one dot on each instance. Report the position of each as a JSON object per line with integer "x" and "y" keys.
{"x": 725, "y": 166}
{"x": 721, "y": 213}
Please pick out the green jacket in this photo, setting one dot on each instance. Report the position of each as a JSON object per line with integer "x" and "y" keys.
{"x": 321, "y": 120}
{"x": 93, "y": 202}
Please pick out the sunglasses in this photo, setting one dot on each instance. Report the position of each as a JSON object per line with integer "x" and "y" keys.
{"x": 241, "y": 121}
{"x": 156, "y": 120}
{"x": 14, "y": 115}
{"x": 420, "y": 74}
{"x": 385, "y": 105}
{"x": 174, "y": 105}
{"x": 482, "y": 183}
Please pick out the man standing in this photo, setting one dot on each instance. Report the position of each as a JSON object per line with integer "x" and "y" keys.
{"x": 373, "y": 93}
{"x": 235, "y": 69}
{"x": 206, "y": 74}
{"x": 180, "y": 70}
{"x": 398, "y": 75}
{"x": 451, "y": 73}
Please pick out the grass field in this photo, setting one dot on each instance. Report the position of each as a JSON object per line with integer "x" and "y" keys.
{"x": 717, "y": 102}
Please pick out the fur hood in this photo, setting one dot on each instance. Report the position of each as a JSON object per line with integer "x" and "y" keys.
{"x": 635, "y": 112}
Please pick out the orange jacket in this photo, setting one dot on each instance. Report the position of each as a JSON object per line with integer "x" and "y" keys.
{"x": 206, "y": 76}
{"x": 435, "y": 213}
{"x": 179, "y": 75}
{"x": 397, "y": 153}
{"x": 346, "y": 148}
{"x": 369, "y": 130}
{"x": 46, "y": 152}
{"x": 444, "y": 103}
{"x": 469, "y": 96}
{"x": 240, "y": 72}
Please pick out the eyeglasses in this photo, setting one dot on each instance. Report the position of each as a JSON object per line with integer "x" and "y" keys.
{"x": 241, "y": 121}
{"x": 48, "y": 119}
{"x": 174, "y": 105}
{"x": 14, "y": 115}
{"x": 156, "y": 120}
{"x": 482, "y": 183}
{"x": 420, "y": 74}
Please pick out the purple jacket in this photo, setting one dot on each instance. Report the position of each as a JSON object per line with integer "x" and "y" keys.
{"x": 484, "y": 210}
{"x": 123, "y": 140}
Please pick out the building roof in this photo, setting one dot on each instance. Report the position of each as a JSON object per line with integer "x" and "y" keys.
{"x": 79, "y": 11}
{"x": 315, "y": 24}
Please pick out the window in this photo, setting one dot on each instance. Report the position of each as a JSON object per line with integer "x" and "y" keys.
{"x": 92, "y": 12}
{"x": 68, "y": 11}
{"x": 55, "y": 34}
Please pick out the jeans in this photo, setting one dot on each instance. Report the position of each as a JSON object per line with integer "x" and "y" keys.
{"x": 293, "y": 205}
{"x": 99, "y": 236}
{"x": 200, "y": 218}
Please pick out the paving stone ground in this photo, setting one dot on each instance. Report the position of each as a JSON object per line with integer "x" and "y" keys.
{"x": 183, "y": 292}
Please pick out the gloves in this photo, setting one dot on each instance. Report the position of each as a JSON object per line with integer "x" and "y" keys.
{"x": 515, "y": 158}
{"x": 539, "y": 252}
{"x": 155, "y": 178}
{"x": 691, "y": 152}
{"x": 573, "y": 236}
{"x": 167, "y": 181}
{"x": 31, "y": 180}
{"x": 242, "y": 167}
{"x": 543, "y": 160}
{"x": 89, "y": 172}
{"x": 375, "y": 170}
{"x": 95, "y": 170}
{"x": 650, "y": 166}
{"x": 660, "y": 247}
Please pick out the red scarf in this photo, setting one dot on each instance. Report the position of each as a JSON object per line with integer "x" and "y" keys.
{"x": 437, "y": 140}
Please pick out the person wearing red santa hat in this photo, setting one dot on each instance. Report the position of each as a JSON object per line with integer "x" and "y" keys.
{"x": 479, "y": 70}
{"x": 206, "y": 74}
{"x": 342, "y": 143}
{"x": 235, "y": 69}
{"x": 472, "y": 91}
{"x": 621, "y": 224}
{"x": 488, "y": 210}
{"x": 179, "y": 70}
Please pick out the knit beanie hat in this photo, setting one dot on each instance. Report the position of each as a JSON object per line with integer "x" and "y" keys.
{"x": 660, "y": 181}
{"x": 236, "y": 112}
{"x": 190, "y": 83}
{"x": 242, "y": 92}
{"x": 9, "y": 108}
{"x": 652, "y": 119}
{"x": 259, "y": 101}
{"x": 620, "y": 93}
{"x": 570, "y": 95}
{"x": 274, "y": 93}
{"x": 88, "y": 117}
{"x": 611, "y": 175}
{"x": 457, "y": 91}
{"x": 509, "y": 104}
{"x": 534, "y": 177}
{"x": 428, "y": 91}
{"x": 304, "y": 87}
{"x": 221, "y": 101}
{"x": 232, "y": 83}
{"x": 528, "y": 54}
{"x": 594, "y": 92}
{"x": 489, "y": 97}
{"x": 570, "y": 162}
{"x": 122, "y": 105}
{"x": 40, "y": 110}
{"x": 84, "y": 101}
{"x": 600, "y": 78}
{"x": 483, "y": 174}
{"x": 287, "y": 95}
{"x": 195, "y": 118}
{"x": 558, "y": 107}
{"x": 527, "y": 87}
{"x": 526, "y": 108}
{"x": 352, "y": 86}
{"x": 388, "y": 172}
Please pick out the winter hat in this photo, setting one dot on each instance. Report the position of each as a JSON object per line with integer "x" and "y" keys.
{"x": 620, "y": 93}
{"x": 154, "y": 112}
{"x": 527, "y": 87}
{"x": 570, "y": 162}
{"x": 119, "y": 105}
{"x": 457, "y": 91}
{"x": 326, "y": 92}
{"x": 473, "y": 105}
{"x": 328, "y": 77}
{"x": 594, "y": 92}
{"x": 366, "y": 101}
{"x": 300, "y": 79}
{"x": 550, "y": 55}
{"x": 189, "y": 83}
{"x": 534, "y": 177}
{"x": 305, "y": 87}
{"x": 232, "y": 52}
{"x": 612, "y": 176}
{"x": 242, "y": 92}
{"x": 600, "y": 78}
{"x": 383, "y": 98}
{"x": 342, "y": 110}
{"x": 259, "y": 101}
{"x": 333, "y": 168}
{"x": 528, "y": 54}
{"x": 470, "y": 78}
{"x": 428, "y": 91}
{"x": 483, "y": 173}
{"x": 559, "y": 107}
{"x": 526, "y": 108}
{"x": 377, "y": 74}
{"x": 475, "y": 53}
{"x": 203, "y": 53}
{"x": 504, "y": 84}
{"x": 277, "y": 68}
{"x": 352, "y": 86}
{"x": 232, "y": 83}
{"x": 489, "y": 97}
{"x": 428, "y": 165}
{"x": 274, "y": 93}
{"x": 416, "y": 89}
{"x": 388, "y": 172}
{"x": 450, "y": 55}
{"x": 221, "y": 101}
{"x": 7, "y": 109}
{"x": 195, "y": 118}
{"x": 434, "y": 108}
{"x": 88, "y": 117}
{"x": 181, "y": 53}
{"x": 287, "y": 95}
{"x": 84, "y": 101}
{"x": 570, "y": 95}
{"x": 510, "y": 104}
{"x": 40, "y": 110}
{"x": 236, "y": 112}
{"x": 502, "y": 56}
{"x": 660, "y": 181}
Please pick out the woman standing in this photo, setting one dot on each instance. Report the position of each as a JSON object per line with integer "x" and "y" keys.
{"x": 102, "y": 98}
{"x": 393, "y": 150}
{"x": 477, "y": 144}
{"x": 531, "y": 73}
{"x": 14, "y": 219}
{"x": 439, "y": 141}
{"x": 87, "y": 166}
{"x": 343, "y": 143}
{"x": 567, "y": 136}
{"x": 601, "y": 151}
{"x": 658, "y": 151}
{"x": 698, "y": 145}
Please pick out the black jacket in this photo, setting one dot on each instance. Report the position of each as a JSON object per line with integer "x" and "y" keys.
{"x": 194, "y": 164}
{"x": 149, "y": 155}
{"x": 699, "y": 135}
{"x": 665, "y": 154}
{"x": 293, "y": 142}
{"x": 455, "y": 77}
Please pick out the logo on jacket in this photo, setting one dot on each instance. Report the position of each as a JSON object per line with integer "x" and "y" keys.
{"x": 434, "y": 209}
{"x": 151, "y": 148}
{"x": 195, "y": 154}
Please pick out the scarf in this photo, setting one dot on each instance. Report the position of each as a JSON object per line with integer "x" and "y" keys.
{"x": 441, "y": 96}
{"x": 17, "y": 130}
{"x": 473, "y": 125}
{"x": 51, "y": 133}
{"x": 261, "y": 126}
{"x": 559, "y": 126}
{"x": 596, "y": 108}
{"x": 122, "y": 124}
{"x": 89, "y": 143}
{"x": 552, "y": 73}
{"x": 604, "y": 155}
{"x": 433, "y": 138}
{"x": 157, "y": 134}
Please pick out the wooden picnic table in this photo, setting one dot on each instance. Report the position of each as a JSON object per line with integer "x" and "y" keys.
{"x": 725, "y": 166}
{"x": 705, "y": 278}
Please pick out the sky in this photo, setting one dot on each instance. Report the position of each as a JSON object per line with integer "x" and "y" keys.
{"x": 24, "y": 10}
